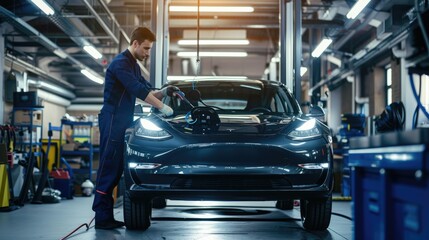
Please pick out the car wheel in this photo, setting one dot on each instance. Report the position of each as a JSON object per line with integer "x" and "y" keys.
{"x": 316, "y": 213}
{"x": 285, "y": 204}
{"x": 159, "y": 203}
{"x": 137, "y": 214}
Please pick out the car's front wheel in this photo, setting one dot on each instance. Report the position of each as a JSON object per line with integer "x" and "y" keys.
{"x": 137, "y": 214}
{"x": 316, "y": 213}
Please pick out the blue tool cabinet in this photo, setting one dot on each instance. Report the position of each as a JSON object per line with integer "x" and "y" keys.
{"x": 390, "y": 185}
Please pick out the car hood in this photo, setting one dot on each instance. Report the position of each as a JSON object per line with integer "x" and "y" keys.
{"x": 241, "y": 123}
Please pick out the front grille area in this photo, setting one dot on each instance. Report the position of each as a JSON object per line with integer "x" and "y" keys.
{"x": 231, "y": 182}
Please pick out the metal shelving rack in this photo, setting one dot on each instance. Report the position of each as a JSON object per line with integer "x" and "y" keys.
{"x": 25, "y": 142}
{"x": 75, "y": 126}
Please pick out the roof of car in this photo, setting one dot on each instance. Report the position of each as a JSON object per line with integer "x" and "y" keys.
{"x": 220, "y": 79}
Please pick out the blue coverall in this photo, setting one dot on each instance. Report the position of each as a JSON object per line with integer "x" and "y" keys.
{"x": 123, "y": 84}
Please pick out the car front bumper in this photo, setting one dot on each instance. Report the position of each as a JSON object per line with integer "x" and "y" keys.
{"x": 229, "y": 171}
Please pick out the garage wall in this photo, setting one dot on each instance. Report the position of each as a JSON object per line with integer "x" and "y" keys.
{"x": 52, "y": 113}
{"x": 340, "y": 101}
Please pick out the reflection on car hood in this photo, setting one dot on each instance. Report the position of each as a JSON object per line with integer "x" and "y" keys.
{"x": 241, "y": 123}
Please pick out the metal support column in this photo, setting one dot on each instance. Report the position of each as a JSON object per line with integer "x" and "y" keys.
{"x": 2, "y": 62}
{"x": 286, "y": 43}
{"x": 159, "y": 54}
{"x": 297, "y": 49}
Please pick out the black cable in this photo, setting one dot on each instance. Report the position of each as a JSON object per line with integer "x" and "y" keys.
{"x": 342, "y": 215}
{"x": 417, "y": 110}
{"x": 87, "y": 225}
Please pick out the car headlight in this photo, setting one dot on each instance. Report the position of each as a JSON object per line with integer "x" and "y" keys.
{"x": 148, "y": 129}
{"x": 305, "y": 131}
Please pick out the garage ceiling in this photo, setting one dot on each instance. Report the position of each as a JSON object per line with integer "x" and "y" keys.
{"x": 50, "y": 47}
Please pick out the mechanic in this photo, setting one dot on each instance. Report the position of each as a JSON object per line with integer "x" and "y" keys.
{"x": 123, "y": 84}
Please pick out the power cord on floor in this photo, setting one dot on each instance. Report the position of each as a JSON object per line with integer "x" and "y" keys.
{"x": 342, "y": 215}
{"x": 87, "y": 225}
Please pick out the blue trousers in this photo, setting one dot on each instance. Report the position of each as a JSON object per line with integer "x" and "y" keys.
{"x": 112, "y": 130}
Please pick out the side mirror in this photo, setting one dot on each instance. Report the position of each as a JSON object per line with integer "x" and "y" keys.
{"x": 316, "y": 112}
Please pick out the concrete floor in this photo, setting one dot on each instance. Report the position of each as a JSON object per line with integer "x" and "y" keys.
{"x": 181, "y": 220}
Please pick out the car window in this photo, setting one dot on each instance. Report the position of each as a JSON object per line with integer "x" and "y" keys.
{"x": 235, "y": 96}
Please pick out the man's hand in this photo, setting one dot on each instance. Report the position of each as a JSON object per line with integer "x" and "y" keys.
{"x": 166, "y": 110}
{"x": 169, "y": 91}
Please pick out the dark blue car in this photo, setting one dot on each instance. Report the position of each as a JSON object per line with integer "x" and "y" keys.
{"x": 229, "y": 140}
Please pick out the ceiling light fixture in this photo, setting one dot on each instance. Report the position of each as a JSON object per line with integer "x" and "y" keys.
{"x": 357, "y": 8}
{"x": 60, "y": 53}
{"x": 48, "y": 10}
{"x": 210, "y": 9}
{"x": 92, "y": 76}
{"x": 213, "y": 42}
{"x": 212, "y": 54}
{"x": 92, "y": 51}
{"x": 323, "y": 45}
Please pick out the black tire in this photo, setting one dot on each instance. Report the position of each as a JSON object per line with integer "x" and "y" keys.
{"x": 159, "y": 203}
{"x": 285, "y": 204}
{"x": 316, "y": 213}
{"x": 137, "y": 214}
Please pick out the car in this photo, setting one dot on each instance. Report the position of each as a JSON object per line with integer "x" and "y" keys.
{"x": 229, "y": 140}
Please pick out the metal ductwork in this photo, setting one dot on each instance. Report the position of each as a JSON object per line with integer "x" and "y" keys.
{"x": 37, "y": 71}
{"x": 51, "y": 88}
{"x": 39, "y": 37}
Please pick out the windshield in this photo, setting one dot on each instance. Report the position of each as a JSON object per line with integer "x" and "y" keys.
{"x": 235, "y": 97}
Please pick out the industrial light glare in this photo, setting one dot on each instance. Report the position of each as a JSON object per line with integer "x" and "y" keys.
{"x": 214, "y": 42}
{"x": 92, "y": 76}
{"x": 305, "y": 131}
{"x": 210, "y": 9}
{"x": 307, "y": 125}
{"x": 357, "y": 8}
{"x": 149, "y": 125}
{"x": 48, "y": 10}
{"x": 212, "y": 54}
{"x": 323, "y": 45}
{"x": 148, "y": 129}
{"x": 92, "y": 51}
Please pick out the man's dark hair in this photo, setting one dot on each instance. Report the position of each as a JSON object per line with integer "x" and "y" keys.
{"x": 141, "y": 34}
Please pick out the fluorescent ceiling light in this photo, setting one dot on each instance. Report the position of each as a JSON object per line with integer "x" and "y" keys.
{"x": 214, "y": 42}
{"x": 48, "y": 10}
{"x": 360, "y": 54}
{"x": 60, "y": 53}
{"x": 303, "y": 71}
{"x": 210, "y": 9}
{"x": 92, "y": 76}
{"x": 357, "y": 8}
{"x": 321, "y": 47}
{"x": 92, "y": 51}
{"x": 212, "y": 54}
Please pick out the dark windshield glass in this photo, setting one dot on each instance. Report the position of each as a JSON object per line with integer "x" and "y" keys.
{"x": 236, "y": 96}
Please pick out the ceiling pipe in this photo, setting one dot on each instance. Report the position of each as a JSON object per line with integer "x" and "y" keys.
{"x": 101, "y": 22}
{"x": 111, "y": 16}
{"x": 52, "y": 98}
{"x": 51, "y": 88}
{"x": 37, "y": 36}
{"x": 37, "y": 70}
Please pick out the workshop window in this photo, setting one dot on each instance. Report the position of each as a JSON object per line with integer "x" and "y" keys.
{"x": 388, "y": 85}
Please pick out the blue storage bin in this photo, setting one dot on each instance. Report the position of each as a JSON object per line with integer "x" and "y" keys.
{"x": 390, "y": 185}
